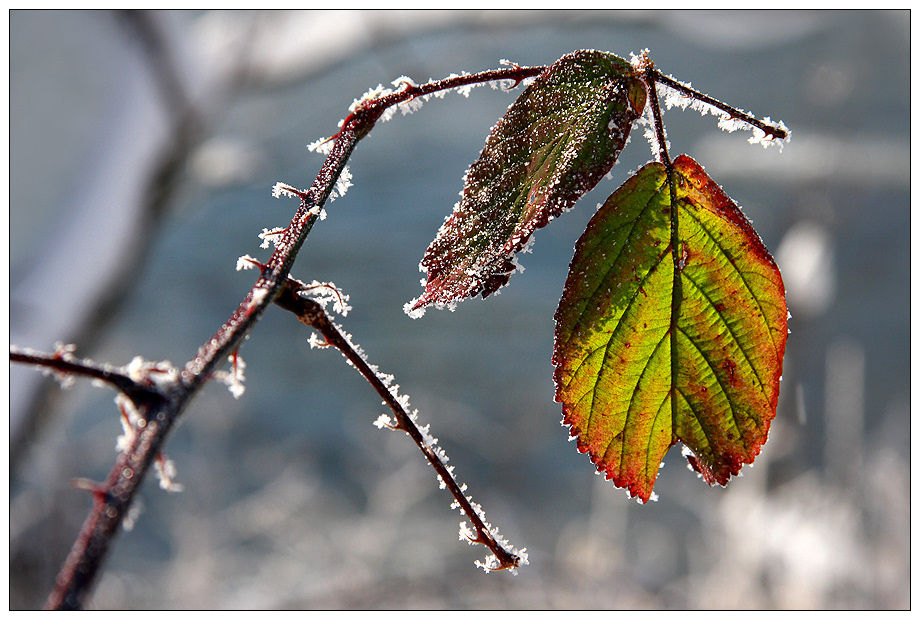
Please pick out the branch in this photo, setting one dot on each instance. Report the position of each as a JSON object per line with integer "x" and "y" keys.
{"x": 160, "y": 400}
{"x": 311, "y": 313}
{"x": 775, "y": 132}
{"x": 65, "y": 366}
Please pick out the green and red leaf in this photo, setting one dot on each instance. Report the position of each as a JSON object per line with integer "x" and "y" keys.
{"x": 671, "y": 327}
{"x": 560, "y": 137}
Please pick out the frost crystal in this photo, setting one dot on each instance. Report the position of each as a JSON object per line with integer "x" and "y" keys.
{"x": 727, "y": 122}
{"x": 269, "y": 235}
{"x": 416, "y": 313}
{"x": 236, "y": 377}
{"x": 323, "y": 146}
{"x": 245, "y": 262}
{"x": 133, "y": 514}
{"x": 648, "y": 122}
{"x": 166, "y": 471}
{"x": 130, "y": 419}
{"x": 283, "y": 189}
{"x": 384, "y": 421}
{"x": 325, "y": 292}
{"x": 341, "y": 185}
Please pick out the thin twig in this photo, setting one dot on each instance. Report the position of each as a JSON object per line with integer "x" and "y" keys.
{"x": 67, "y": 365}
{"x": 312, "y": 313}
{"x": 770, "y": 130}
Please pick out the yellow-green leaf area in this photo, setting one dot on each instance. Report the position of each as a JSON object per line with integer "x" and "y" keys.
{"x": 671, "y": 327}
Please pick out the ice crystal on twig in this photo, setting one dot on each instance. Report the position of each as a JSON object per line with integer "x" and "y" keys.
{"x": 283, "y": 189}
{"x": 235, "y": 377}
{"x": 166, "y": 471}
{"x": 246, "y": 262}
{"x": 270, "y": 236}
{"x": 341, "y": 185}
{"x": 325, "y": 292}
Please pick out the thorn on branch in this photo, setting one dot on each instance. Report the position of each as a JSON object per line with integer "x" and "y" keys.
{"x": 283, "y": 189}
{"x": 90, "y": 486}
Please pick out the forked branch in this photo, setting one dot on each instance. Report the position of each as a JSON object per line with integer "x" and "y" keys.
{"x": 159, "y": 400}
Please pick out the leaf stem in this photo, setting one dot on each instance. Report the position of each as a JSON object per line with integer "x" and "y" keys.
{"x": 650, "y": 77}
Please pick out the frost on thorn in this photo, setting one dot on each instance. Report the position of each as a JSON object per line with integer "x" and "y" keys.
{"x": 246, "y": 262}
{"x": 384, "y": 421}
{"x": 370, "y": 95}
{"x": 766, "y": 141}
{"x": 166, "y": 471}
{"x": 325, "y": 292}
{"x": 323, "y": 146}
{"x": 235, "y": 377}
{"x": 130, "y": 420}
{"x": 283, "y": 189}
{"x": 269, "y": 235}
{"x": 467, "y": 533}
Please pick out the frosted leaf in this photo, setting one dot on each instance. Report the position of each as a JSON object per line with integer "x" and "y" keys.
{"x": 552, "y": 146}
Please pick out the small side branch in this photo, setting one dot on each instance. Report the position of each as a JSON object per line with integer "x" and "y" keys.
{"x": 64, "y": 364}
{"x": 312, "y": 313}
{"x": 774, "y": 132}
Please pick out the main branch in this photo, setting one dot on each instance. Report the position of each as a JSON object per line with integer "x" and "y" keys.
{"x": 159, "y": 399}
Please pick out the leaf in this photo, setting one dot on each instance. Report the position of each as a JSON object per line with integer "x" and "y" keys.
{"x": 671, "y": 327}
{"x": 560, "y": 137}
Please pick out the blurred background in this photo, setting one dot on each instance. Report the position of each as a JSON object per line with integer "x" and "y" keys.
{"x": 143, "y": 150}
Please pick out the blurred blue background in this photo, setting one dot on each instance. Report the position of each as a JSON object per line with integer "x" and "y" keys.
{"x": 143, "y": 150}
